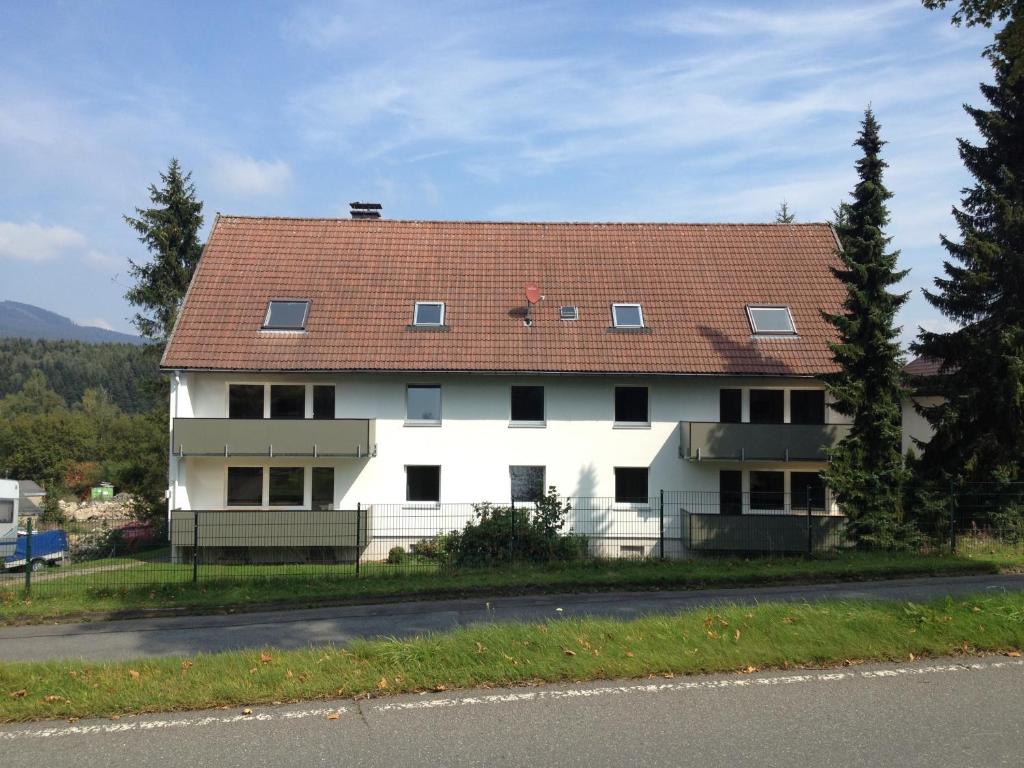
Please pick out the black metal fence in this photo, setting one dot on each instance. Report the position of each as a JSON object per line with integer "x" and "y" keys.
{"x": 381, "y": 540}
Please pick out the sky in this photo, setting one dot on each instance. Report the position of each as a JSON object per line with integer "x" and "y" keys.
{"x": 705, "y": 111}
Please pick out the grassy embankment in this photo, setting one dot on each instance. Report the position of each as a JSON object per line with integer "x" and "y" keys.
{"x": 724, "y": 639}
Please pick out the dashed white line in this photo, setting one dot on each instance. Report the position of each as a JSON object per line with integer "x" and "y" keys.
{"x": 559, "y": 694}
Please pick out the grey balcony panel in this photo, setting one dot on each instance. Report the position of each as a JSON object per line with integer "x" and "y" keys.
{"x": 271, "y": 528}
{"x": 274, "y": 437}
{"x": 710, "y": 440}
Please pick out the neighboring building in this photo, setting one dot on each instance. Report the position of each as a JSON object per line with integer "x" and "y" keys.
{"x": 32, "y": 497}
{"x": 326, "y": 363}
{"x": 915, "y": 426}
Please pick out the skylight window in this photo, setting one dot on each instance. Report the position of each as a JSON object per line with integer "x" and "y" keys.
{"x": 627, "y": 316}
{"x": 286, "y": 315}
{"x": 428, "y": 313}
{"x": 568, "y": 313}
{"x": 771, "y": 321}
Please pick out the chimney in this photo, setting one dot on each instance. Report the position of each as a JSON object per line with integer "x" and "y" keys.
{"x": 365, "y": 210}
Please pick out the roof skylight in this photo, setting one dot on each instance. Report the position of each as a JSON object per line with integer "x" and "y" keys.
{"x": 627, "y": 316}
{"x": 771, "y": 321}
{"x": 428, "y": 313}
{"x": 286, "y": 315}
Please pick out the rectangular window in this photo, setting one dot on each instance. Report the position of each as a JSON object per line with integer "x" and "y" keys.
{"x": 768, "y": 490}
{"x": 423, "y": 483}
{"x": 528, "y": 404}
{"x": 631, "y": 405}
{"x": 288, "y": 401}
{"x": 803, "y": 483}
{"x": 730, "y": 406}
{"x": 527, "y": 483}
{"x": 776, "y": 321}
{"x": 767, "y": 406}
{"x": 627, "y": 316}
{"x": 730, "y": 490}
{"x": 568, "y": 313}
{"x": 423, "y": 403}
{"x": 286, "y": 315}
{"x": 286, "y": 486}
{"x": 428, "y": 313}
{"x": 245, "y": 486}
{"x": 807, "y": 406}
{"x": 323, "y": 488}
{"x": 323, "y": 401}
{"x": 245, "y": 401}
{"x": 631, "y": 485}
{"x": 6, "y": 510}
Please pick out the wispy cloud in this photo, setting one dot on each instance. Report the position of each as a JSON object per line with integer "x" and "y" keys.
{"x": 36, "y": 242}
{"x": 244, "y": 176}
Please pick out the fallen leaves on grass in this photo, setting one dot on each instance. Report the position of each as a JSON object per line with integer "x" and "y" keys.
{"x": 134, "y": 674}
{"x": 266, "y": 658}
{"x": 19, "y": 694}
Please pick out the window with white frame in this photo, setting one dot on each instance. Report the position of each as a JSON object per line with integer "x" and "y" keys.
{"x": 286, "y": 315}
{"x": 423, "y": 404}
{"x": 771, "y": 321}
{"x": 631, "y": 485}
{"x": 423, "y": 483}
{"x": 428, "y": 313}
{"x": 627, "y": 316}
{"x": 245, "y": 487}
{"x": 245, "y": 401}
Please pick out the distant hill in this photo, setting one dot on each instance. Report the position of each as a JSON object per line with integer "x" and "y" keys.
{"x": 30, "y": 322}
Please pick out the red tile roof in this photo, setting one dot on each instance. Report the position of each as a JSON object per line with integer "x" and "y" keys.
{"x": 362, "y": 277}
{"x": 922, "y": 366}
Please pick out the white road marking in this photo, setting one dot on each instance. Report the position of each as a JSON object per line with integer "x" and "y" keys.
{"x": 36, "y": 732}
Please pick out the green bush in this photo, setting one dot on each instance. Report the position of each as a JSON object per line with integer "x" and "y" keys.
{"x": 396, "y": 556}
{"x": 501, "y": 535}
{"x": 436, "y": 548}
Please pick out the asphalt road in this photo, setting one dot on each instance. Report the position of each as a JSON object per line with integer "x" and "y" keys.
{"x": 187, "y": 636}
{"x": 949, "y": 713}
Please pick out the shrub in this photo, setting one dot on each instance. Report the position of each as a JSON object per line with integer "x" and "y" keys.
{"x": 95, "y": 544}
{"x": 396, "y": 555}
{"x": 501, "y": 535}
{"x": 436, "y": 548}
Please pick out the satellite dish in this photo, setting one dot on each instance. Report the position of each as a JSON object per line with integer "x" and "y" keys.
{"x": 532, "y": 293}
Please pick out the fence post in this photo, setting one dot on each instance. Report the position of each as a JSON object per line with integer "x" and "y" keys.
{"x": 661, "y": 524}
{"x": 359, "y": 533}
{"x": 810, "y": 525}
{"x": 952, "y": 518}
{"x": 195, "y": 546}
{"x": 512, "y": 537}
{"x": 28, "y": 557}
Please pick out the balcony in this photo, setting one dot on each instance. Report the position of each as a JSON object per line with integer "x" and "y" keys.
{"x": 314, "y": 438}
{"x": 712, "y": 440}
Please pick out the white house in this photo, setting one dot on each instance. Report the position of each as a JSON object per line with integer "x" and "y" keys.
{"x": 394, "y": 367}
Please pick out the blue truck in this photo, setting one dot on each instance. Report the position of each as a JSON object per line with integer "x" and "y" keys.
{"x": 17, "y": 548}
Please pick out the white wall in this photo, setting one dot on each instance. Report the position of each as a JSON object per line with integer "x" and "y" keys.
{"x": 475, "y": 444}
{"x": 915, "y": 426}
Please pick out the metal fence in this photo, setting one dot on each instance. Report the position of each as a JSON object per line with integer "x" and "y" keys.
{"x": 383, "y": 540}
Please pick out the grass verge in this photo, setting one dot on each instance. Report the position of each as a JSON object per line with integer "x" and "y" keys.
{"x": 139, "y": 591}
{"x": 734, "y": 638}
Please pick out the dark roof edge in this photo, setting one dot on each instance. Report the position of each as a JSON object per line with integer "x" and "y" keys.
{"x": 385, "y": 220}
{"x": 491, "y": 372}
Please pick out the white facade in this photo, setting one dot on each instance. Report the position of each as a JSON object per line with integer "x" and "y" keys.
{"x": 580, "y": 445}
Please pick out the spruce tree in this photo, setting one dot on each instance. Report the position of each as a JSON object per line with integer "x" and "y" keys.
{"x": 866, "y": 468}
{"x": 170, "y": 231}
{"x": 979, "y": 428}
{"x": 784, "y": 215}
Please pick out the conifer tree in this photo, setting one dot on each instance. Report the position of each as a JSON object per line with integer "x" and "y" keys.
{"x": 784, "y": 215}
{"x": 979, "y": 428}
{"x": 170, "y": 231}
{"x": 866, "y": 468}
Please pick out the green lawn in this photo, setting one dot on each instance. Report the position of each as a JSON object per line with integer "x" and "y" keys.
{"x": 154, "y": 586}
{"x": 725, "y": 639}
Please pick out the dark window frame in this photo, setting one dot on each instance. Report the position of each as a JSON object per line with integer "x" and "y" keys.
{"x": 773, "y": 500}
{"x": 539, "y": 491}
{"x": 776, "y": 394}
{"x": 730, "y": 412}
{"x": 632, "y": 498}
{"x": 321, "y": 388}
{"x": 271, "y": 471}
{"x": 408, "y": 484}
{"x": 262, "y": 399}
{"x": 799, "y": 416}
{"x": 522, "y": 388}
{"x": 622, "y": 408}
{"x": 255, "y": 471}
{"x": 279, "y": 387}
{"x": 798, "y": 482}
{"x": 314, "y": 503}
{"x": 730, "y": 492}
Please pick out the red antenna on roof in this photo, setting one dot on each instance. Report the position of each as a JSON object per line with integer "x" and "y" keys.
{"x": 533, "y": 296}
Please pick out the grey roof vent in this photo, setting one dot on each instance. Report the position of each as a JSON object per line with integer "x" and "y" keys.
{"x": 365, "y": 210}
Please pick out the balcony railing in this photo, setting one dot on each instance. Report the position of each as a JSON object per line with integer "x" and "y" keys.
{"x": 712, "y": 440}
{"x": 316, "y": 438}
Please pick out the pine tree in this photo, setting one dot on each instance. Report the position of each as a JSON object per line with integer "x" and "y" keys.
{"x": 170, "y": 232}
{"x": 979, "y": 428}
{"x": 866, "y": 468}
{"x": 784, "y": 215}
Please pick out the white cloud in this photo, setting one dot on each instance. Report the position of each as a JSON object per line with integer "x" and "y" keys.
{"x": 97, "y": 322}
{"x": 244, "y": 176}
{"x": 34, "y": 242}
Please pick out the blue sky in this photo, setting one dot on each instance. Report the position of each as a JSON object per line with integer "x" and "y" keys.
{"x": 583, "y": 111}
